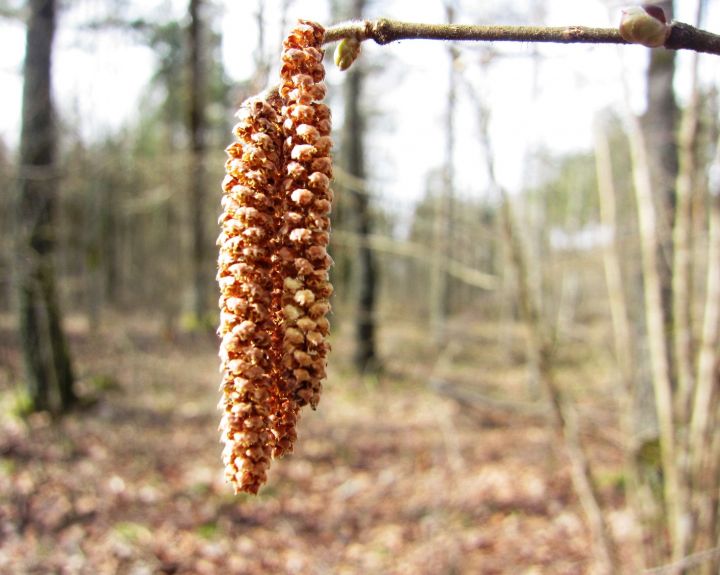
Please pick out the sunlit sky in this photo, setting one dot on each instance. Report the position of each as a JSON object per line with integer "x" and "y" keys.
{"x": 100, "y": 77}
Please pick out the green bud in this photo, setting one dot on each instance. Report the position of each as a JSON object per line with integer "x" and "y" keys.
{"x": 644, "y": 25}
{"x": 346, "y": 53}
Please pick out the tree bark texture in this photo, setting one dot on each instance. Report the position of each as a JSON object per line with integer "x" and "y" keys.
{"x": 45, "y": 350}
{"x": 353, "y": 158}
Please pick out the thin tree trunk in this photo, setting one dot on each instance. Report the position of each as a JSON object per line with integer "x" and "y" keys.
{"x": 564, "y": 416}
{"x": 7, "y": 226}
{"x": 641, "y": 502}
{"x": 47, "y": 359}
{"x": 365, "y": 354}
{"x": 682, "y": 249}
{"x": 682, "y": 332}
{"x": 706, "y": 400}
{"x": 674, "y": 490}
{"x": 110, "y": 240}
{"x": 94, "y": 232}
{"x": 439, "y": 281}
{"x": 540, "y": 350}
{"x": 660, "y": 153}
{"x": 197, "y": 125}
{"x": 713, "y": 513}
{"x": 569, "y": 281}
{"x": 659, "y": 125}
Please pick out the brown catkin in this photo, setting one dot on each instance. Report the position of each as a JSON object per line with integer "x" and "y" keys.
{"x": 307, "y": 199}
{"x": 273, "y": 263}
{"x": 247, "y": 319}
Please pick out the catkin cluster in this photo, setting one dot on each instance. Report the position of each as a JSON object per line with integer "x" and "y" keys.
{"x": 273, "y": 263}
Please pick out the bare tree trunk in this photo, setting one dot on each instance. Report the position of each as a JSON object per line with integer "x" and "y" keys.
{"x": 262, "y": 64}
{"x": 564, "y": 416}
{"x": 93, "y": 247}
{"x": 640, "y": 500}
{"x": 675, "y": 495}
{"x": 439, "y": 280}
{"x": 110, "y": 239}
{"x": 703, "y": 439}
{"x": 197, "y": 125}
{"x": 682, "y": 248}
{"x": 657, "y": 193}
{"x": 353, "y": 155}
{"x": 47, "y": 359}
{"x": 569, "y": 288}
{"x": 7, "y": 226}
{"x": 682, "y": 332}
{"x": 540, "y": 350}
{"x": 659, "y": 125}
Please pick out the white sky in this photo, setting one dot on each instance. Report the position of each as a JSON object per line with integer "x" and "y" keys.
{"x": 100, "y": 78}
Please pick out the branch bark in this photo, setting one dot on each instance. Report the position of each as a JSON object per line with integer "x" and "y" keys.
{"x": 384, "y": 31}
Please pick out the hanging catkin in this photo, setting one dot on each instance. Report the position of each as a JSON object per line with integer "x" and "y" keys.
{"x": 248, "y": 357}
{"x": 273, "y": 263}
{"x": 307, "y": 198}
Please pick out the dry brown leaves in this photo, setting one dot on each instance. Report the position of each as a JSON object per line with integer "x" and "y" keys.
{"x": 391, "y": 480}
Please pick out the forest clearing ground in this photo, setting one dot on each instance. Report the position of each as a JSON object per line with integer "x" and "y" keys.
{"x": 387, "y": 476}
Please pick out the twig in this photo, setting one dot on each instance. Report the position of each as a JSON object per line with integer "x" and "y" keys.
{"x": 460, "y": 271}
{"x": 686, "y": 37}
{"x": 384, "y": 31}
{"x": 470, "y": 397}
{"x": 686, "y": 562}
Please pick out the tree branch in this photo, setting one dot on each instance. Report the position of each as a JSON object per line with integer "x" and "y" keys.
{"x": 384, "y": 31}
{"x": 686, "y": 37}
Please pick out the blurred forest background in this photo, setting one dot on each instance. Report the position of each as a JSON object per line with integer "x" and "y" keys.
{"x": 524, "y": 376}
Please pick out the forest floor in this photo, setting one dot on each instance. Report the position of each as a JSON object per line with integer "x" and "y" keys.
{"x": 388, "y": 476}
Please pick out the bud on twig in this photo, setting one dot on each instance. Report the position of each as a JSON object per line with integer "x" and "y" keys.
{"x": 646, "y": 25}
{"x": 346, "y": 52}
